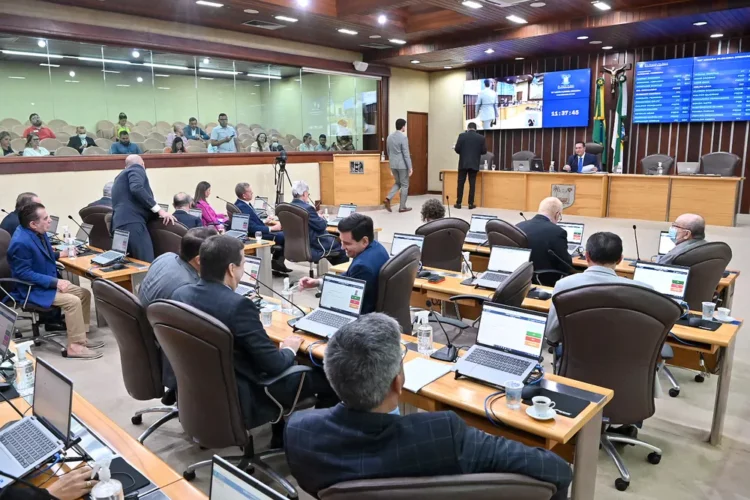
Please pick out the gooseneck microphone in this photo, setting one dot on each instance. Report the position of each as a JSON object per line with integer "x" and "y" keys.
{"x": 553, "y": 254}
{"x": 225, "y": 201}
{"x": 637, "y": 251}
{"x": 276, "y": 293}
{"x": 3, "y": 210}
{"x": 522, "y": 215}
{"x": 447, "y": 201}
{"x": 80, "y": 226}
{"x": 468, "y": 264}
{"x": 448, "y": 353}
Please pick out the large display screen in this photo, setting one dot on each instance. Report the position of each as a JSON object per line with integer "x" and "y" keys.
{"x": 566, "y": 98}
{"x": 662, "y": 91}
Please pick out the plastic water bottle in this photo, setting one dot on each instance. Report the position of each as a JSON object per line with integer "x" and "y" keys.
{"x": 485, "y": 165}
{"x": 287, "y": 296}
{"x": 382, "y": 156}
{"x": 107, "y": 488}
{"x": 659, "y": 170}
{"x": 466, "y": 265}
{"x": 552, "y": 166}
{"x": 24, "y": 382}
{"x": 424, "y": 333}
{"x": 72, "y": 250}
{"x": 618, "y": 168}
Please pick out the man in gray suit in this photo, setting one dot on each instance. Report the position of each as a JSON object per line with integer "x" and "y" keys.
{"x": 398, "y": 154}
{"x": 687, "y": 231}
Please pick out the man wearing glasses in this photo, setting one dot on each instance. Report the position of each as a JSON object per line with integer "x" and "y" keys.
{"x": 687, "y": 231}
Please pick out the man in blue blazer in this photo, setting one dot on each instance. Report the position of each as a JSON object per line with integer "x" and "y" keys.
{"x": 581, "y": 159}
{"x": 358, "y": 239}
{"x": 134, "y": 205}
{"x": 181, "y": 203}
{"x": 364, "y": 437}
{"x": 32, "y": 259}
{"x": 322, "y": 243}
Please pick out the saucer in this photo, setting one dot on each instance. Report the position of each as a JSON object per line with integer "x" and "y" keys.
{"x": 728, "y": 319}
{"x": 530, "y": 411}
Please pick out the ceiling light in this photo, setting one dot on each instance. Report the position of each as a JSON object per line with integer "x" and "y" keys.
{"x": 30, "y": 54}
{"x": 516, "y": 19}
{"x": 717, "y": 35}
{"x": 519, "y": 58}
{"x": 601, "y": 5}
{"x": 160, "y": 75}
{"x": 447, "y": 67}
{"x": 303, "y": 3}
{"x": 700, "y": 23}
{"x": 135, "y": 54}
{"x": 471, "y": 4}
{"x": 206, "y": 60}
{"x": 72, "y": 74}
{"x": 49, "y": 65}
{"x": 536, "y": 5}
{"x": 122, "y": 85}
{"x": 583, "y": 37}
{"x": 382, "y": 19}
{"x": 96, "y": 59}
{"x": 17, "y": 77}
{"x": 595, "y": 42}
{"x": 607, "y": 47}
{"x": 218, "y": 71}
{"x": 110, "y": 71}
{"x": 287, "y": 19}
{"x": 347, "y": 32}
{"x": 375, "y": 37}
{"x": 397, "y": 41}
{"x": 252, "y": 93}
{"x": 414, "y": 61}
{"x": 209, "y": 4}
{"x": 165, "y": 66}
{"x": 41, "y": 43}
{"x": 139, "y": 80}
{"x": 205, "y": 78}
{"x": 257, "y": 84}
{"x": 258, "y": 75}
{"x": 250, "y": 11}
{"x": 72, "y": 81}
{"x": 489, "y": 51}
{"x": 163, "y": 88}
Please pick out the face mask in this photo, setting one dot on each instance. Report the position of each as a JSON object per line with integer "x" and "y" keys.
{"x": 82, "y": 136}
{"x": 673, "y": 234}
{"x": 396, "y": 411}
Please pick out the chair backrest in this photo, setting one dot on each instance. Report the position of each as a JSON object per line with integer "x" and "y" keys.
{"x": 166, "y": 237}
{"x": 18, "y": 144}
{"x": 650, "y": 164}
{"x": 513, "y": 290}
{"x": 490, "y": 486}
{"x": 296, "y": 224}
{"x": 136, "y": 137}
{"x": 489, "y": 158}
{"x": 612, "y": 336}
{"x": 50, "y": 144}
{"x": 443, "y": 242}
{"x": 707, "y": 264}
{"x": 108, "y": 222}
{"x": 524, "y": 156}
{"x": 100, "y": 236}
{"x": 395, "y": 284}
{"x": 505, "y": 234}
{"x": 594, "y": 148}
{"x": 95, "y": 151}
{"x": 724, "y": 164}
{"x": 139, "y": 354}
{"x": 210, "y": 410}
{"x": 154, "y": 144}
{"x": 4, "y": 244}
{"x": 66, "y": 151}
{"x": 103, "y": 143}
{"x": 231, "y": 210}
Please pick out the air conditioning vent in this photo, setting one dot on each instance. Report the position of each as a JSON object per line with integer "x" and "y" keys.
{"x": 378, "y": 46}
{"x": 264, "y": 25}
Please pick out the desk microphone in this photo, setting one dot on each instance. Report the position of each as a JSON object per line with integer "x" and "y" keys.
{"x": 225, "y": 201}
{"x": 637, "y": 252}
{"x": 448, "y": 353}
{"x": 277, "y": 293}
{"x": 3, "y": 210}
{"x": 447, "y": 201}
{"x": 468, "y": 264}
{"x": 80, "y": 226}
{"x": 572, "y": 269}
{"x": 522, "y": 215}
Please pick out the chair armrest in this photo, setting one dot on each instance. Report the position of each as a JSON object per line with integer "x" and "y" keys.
{"x": 552, "y": 271}
{"x": 449, "y": 321}
{"x": 292, "y": 370}
{"x": 478, "y": 298}
{"x": 14, "y": 280}
{"x": 20, "y": 282}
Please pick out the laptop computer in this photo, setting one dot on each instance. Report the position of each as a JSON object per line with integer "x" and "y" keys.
{"x": 240, "y": 224}
{"x": 231, "y": 483}
{"x": 667, "y": 280}
{"x": 344, "y": 212}
{"x": 402, "y": 241}
{"x": 260, "y": 203}
{"x": 82, "y": 236}
{"x": 478, "y": 229}
{"x": 665, "y": 243}
{"x": 8, "y": 319}
{"x": 575, "y": 235}
{"x": 54, "y": 222}
{"x": 164, "y": 207}
{"x": 503, "y": 261}
{"x": 688, "y": 167}
{"x": 29, "y": 442}
{"x": 252, "y": 269}
{"x": 521, "y": 165}
{"x": 340, "y": 304}
{"x": 118, "y": 252}
{"x": 195, "y": 212}
{"x": 509, "y": 343}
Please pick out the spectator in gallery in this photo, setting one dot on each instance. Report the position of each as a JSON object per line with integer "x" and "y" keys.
{"x": 322, "y": 146}
{"x": 193, "y": 132}
{"x": 178, "y": 146}
{"x": 210, "y": 218}
{"x": 122, "y": 124}
{"x": 5, "y": 145}
{"x": 343, "y": 143}
{"x": 33, "y": 148}
{"x": 80, "y": 141}
{"x": 261, "y": 144}
{"x": 176, "y": 132}
{"x": 306, "y": 143}
{"x": 124, "y": 146}
{"x": 224, "y": 137}
{"x": 37, "y": 128}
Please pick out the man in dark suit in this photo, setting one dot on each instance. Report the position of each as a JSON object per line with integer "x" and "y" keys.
{"x": 470, "y": 147}
{"x": 182, "y": 203}
{"x": 322, "y": 243}
{"x": 543, "y": 235}
{"x": 255, "y": 355}
{"x": 106, "y": 199}
{"x": 581, "y": 159}
{"x": 134, "y": 205}
{"x": 80, "y": 141}
{"x": 10, "y": 222}
{"x": 364, "y": 437}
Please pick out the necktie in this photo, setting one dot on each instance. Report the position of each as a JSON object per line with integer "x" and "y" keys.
{"x": 580, "y": 163}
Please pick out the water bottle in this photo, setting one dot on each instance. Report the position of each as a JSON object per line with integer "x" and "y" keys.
{"x": 424, "y": 333}
{"x": 552, "y": 166}
{"x": 72, "y": 250}
{"x": 24, "y": 382}
{"x": 382, "y": 156}
{"x": 618, "y": 168}
{"x": 288, "y": 296}
{"x": 659, "y": 170}
{"x": 485, "y": 164}
{"x": 466, "y": 265}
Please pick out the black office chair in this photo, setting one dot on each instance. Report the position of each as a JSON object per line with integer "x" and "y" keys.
{"x": 443, "y": 243}
{"x": 595, "y": 148}
{"x": 505, "y": 234}
{"x": 100, "y": 236}
{"x": 296, "y": 223}
{"x": 650, "y": 164}
{"x": 395, "y": 284}
{"x": 723, "y": 164}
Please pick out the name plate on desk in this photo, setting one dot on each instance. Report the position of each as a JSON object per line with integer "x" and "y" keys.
{"x": 356, "y": 167}
{"x": 566, "y": 193}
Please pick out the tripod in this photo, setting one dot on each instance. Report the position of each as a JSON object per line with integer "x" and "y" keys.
{"x": 279, "y": 174}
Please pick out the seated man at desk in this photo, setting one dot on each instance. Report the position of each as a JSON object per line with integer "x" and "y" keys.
{"x": 322, "y": 243}
{"x": 687, "y": 231}
{"x": 544, "y": 235}
{"x": 222, "y": 261}
{"x": 10, "y": 222}
{"x": 581, "y": 159}
{"x": 182, "y": 203}
{"x": 358, "y": 239}
{"x": 106, "y": 199}
{"x": 364, "y": 437}
{"x": 32, "y": 259}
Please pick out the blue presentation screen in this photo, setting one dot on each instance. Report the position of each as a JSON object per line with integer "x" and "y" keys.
{"x": 720, "y": 88}
{"x": 567, "y": 96}
{"x": 566, "y": 113}
{"x": 662, "y": 91}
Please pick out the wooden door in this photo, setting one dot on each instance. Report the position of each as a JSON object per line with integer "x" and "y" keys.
{"x": 416, "y": 130}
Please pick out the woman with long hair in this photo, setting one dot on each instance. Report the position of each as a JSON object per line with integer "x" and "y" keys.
{"x": 33, "y": 148}
{"x": 178, "y": 146}
{"x": 209, "y": 216}
{"x": 261, "y": 144}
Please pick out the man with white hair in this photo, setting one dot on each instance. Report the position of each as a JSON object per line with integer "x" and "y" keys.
{"x": 106, "y": 199}
{"x": 544, "y": 235}
{"x": 322, "y": 243}
{"x": 134, "y": 205}
{"x": 687, "y": 231}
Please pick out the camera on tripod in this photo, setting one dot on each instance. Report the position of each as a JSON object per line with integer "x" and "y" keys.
{"x": 281, "y": 172}
{"x": 281, "y": 159}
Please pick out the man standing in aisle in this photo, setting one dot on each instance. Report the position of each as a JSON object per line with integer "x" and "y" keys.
{"x": 398, "y": 154}
{"x": 470, "y": 147}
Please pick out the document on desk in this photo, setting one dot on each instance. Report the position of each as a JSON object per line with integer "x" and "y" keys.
{"x": 419, "y": 372}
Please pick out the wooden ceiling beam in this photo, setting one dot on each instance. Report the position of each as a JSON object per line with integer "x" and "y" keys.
{"x": 435, "y": 20}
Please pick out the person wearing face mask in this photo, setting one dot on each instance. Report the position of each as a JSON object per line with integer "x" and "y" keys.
{"x": 222, "y": 261}
{"x": 322, "y": 243}
{"x": 261, "y": 144}
{"x": 544, "y": 234}
{"x": 80, "y": 141}
{"x": 687, "y": 231}
{"x": 364, "y": 437}
{"x": 124, "y": 146}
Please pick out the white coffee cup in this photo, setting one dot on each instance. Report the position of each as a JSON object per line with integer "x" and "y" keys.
{"x": 542, "y": 404}
{"x": 722, "y": 313}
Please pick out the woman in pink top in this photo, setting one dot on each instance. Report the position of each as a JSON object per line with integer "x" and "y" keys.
{"x": 210, "y": 217}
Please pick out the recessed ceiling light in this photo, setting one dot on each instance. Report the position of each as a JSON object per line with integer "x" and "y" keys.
{"x": 536, "y": 5}
{"x": 375, "y": 37}
{"x": 516, "y": 19}
{"x": 397, "y": 41}
{"x": 700, "y": 23}
{"x": 414, "y": 61}
{"x": 287, "y": 19}
{"x": 347, "y": 31}
{"x": 72, "y": 81}
{"x": 382, "y": 19}
{"x": 50, "y": 65}
{"x": 41, "y": 43}
{"x": 447, "y": 67}
{"x": 257, "y": 84}
{"x": 471, "y": 4}
{"x": 17, "y": 77}
{"x": 31, "y": 54}
{"x": 519, "y": 58}
{"x": 595, "y": 42}
{"x": 135, "y": 54}
{"x": 206, "y": 60}
{"x": 717, "y": 35}
{"x": 157, "y": 74}
{"x": 303, "y": 3}
{"x": 489, "y": 51}
{"x": 250, "y": 11}
{"x": 209, "y": 4}
{"x": 122, "y": 85}
{"x": 607, "y": 47}
{"x": 252, "y": 93}
{"x": 206, "y": 78}
{"x": 582, "y": 37}
{"x": 139, "y": 80}
{"x": 601, "y": 5}
{"x": 72, "y": 74}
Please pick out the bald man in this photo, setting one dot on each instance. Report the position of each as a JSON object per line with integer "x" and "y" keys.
{"x": 134, "y": 205}
{"x": 544, "y": 234}
{"x": 687, "y": 231}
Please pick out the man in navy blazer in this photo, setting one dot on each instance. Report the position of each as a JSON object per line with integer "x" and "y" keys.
{"x": 32, "y": 259}
{"x": 181, "y": 203}
{"x": 581, "y": 159}
{"x": 364, "y": 437}
{"x": 10, "y": 222}
{"x": 106, "y": 199}
{"x": 544, "y": 235}
{"x": 322, "y": 243}
{"x": 134, "y": 205}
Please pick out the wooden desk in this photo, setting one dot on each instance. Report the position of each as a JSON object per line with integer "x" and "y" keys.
{"x": 128, "y": 278}
{"x": 339, "y": 185}
{"x": 263, "y": 251}
{"x": 639, "y": 197}
{"x": 334, "y": 230}
{"x": 715, "y": 198}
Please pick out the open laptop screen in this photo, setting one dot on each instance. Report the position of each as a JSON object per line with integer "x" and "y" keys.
{"x": 53, "y": 399}
{"x": 120, "y": 241}
{"x": 230, "y": 483}
{"x": 54, "y": 222}
{"x": 260, "y": 203}
{"x": 667, "y": 280}
{"x": 665, "y": 243}
{"x": 240, "y": 222}
{"x": 7, "y": 322}
{"x": 346, "y": 210}
{"x": 479, "y": 223}
{"x": 195, "y": 213}
{"x": 252, "y": 267}
{"x": 342, "y": 294}
{"x": 402, "y": 241}
{"x": 84, "y": 231}
{"x": 164, "y": 207}
{"x": 575, "y": 232}
{"x": 511, "y": 329}
{"x": 507, "y": 259}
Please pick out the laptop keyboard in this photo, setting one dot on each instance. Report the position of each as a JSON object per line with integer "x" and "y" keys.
{"x": 498, "y": 361}
{"x": 107, "y": 256}
{"x": 572, "y": 246}
{"x": 476, "y": 236}
{"x": 27, "y": 443}
{"x": 236, "y": 234}
{"x": 494, "y": 277}
{"x": 328, "y": 319}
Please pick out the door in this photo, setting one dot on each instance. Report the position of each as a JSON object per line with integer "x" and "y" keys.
{"x": 416, "y": 130}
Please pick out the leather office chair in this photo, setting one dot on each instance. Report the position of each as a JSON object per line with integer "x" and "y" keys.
{"x": 443, "y": 242}
{"x": 100, "y": 236}
{"x": 139, "y": 354}
{"x": 166, "y": 237}
{"x": 395, "y": 284}
{"x": 231, "y": 210}
{"x": 523, "y": 156}
{"x": 650, "y": 164}
{"x": 612, "y": 336}
{"x": 192, "y": 338}
{"x": 595, "y": 148}
{"x": 724, "y": 164}
{"x": 296, "y": 224}
{"x": 474, "y": 486}
{"x": 707, "y": 264}
{"x": 505, "y": 234}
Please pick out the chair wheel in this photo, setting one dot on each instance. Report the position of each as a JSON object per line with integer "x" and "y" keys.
{"x": 136, "y": 419}
{"x": 621, "y": 484}
{"x": 674, "y": 392}
{"x": 551, "y": 350}
{"x": 64, "y": 353}
{"x": 37, "y": 343}
{"x": 18, "y": 334}
{"x": 654, "y": 458}
{"x": 700, "y": 378}
{"x": 189, "y": 476}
